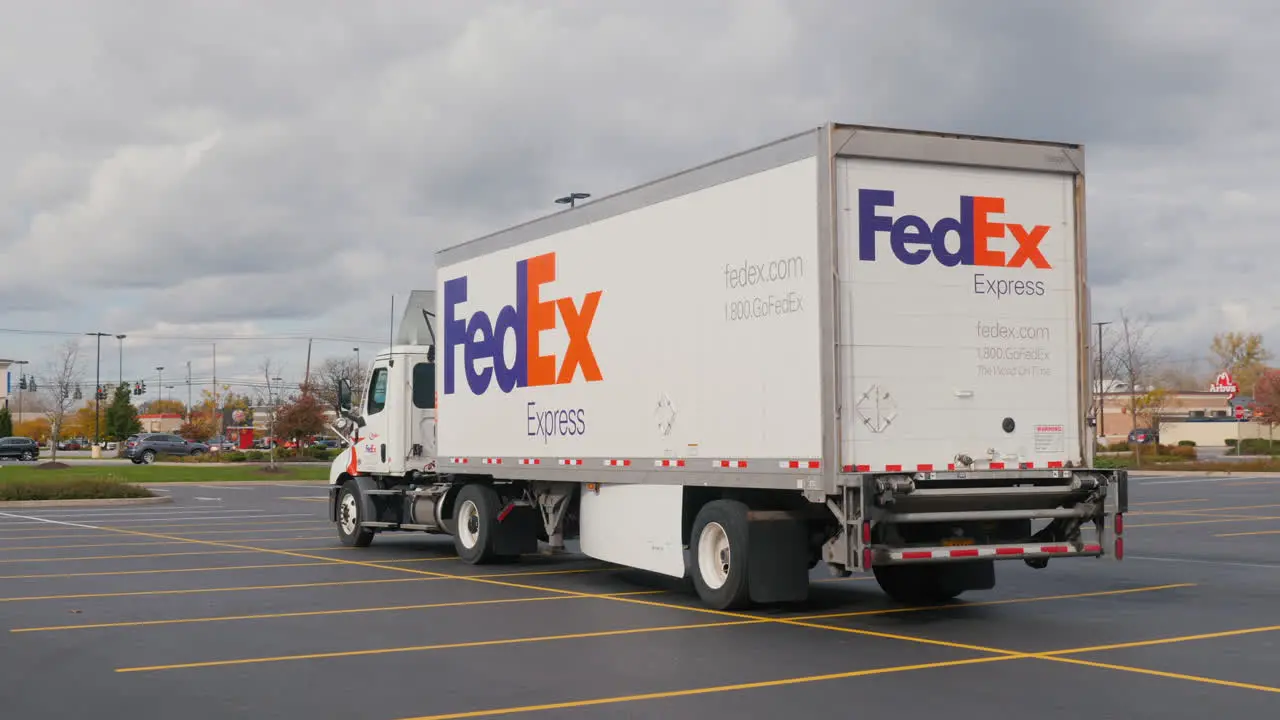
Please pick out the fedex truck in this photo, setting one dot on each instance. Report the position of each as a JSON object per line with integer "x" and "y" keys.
{"x": 856, "y": 346}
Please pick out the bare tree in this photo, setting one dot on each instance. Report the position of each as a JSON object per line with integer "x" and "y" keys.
{"x": 1134, "y": 361}
{"x": 62, "y": 376}
{"x": 325, "y": 379}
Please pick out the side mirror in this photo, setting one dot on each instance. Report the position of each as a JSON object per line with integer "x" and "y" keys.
{"x": 344, "y": 395}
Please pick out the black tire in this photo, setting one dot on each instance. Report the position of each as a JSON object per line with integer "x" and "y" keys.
{"x": 27, "y": 456}
{"x": 349, "y": 530}
{"x": 721, "y": 524}
{"x": 916, "y": 584}
{"x": 194, "y": 453}
{"x": 148, "y": 457}
{"x": 475, "y": 513}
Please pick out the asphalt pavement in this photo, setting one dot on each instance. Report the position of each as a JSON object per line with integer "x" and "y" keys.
{"x": 238, "y": 601}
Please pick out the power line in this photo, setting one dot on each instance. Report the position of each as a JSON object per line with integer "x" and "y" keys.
{"x": 203, "y": 338}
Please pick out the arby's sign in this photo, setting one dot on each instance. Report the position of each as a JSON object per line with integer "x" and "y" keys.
{"x": 1224, "y": 384}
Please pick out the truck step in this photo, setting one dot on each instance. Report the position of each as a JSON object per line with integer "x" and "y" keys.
{"x": 408, "y": 526}
{"x": 383, "y": 492}
{"x": 375, "y": 524}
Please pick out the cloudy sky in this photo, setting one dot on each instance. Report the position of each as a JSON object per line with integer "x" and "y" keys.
{"x": 192, "y": 172}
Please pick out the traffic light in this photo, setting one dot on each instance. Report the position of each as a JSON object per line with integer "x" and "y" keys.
{"x": 100, "y": 394}
{"x": 33, "y": 387}
{"x": 79, "y": 395}
{"x": 22, "y": 383}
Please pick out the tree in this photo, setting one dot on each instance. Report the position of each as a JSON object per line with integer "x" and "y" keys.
{"x": 1134, "y": 361}
{"x": 37, "y": 429}
{"x": 6, "y": 422}
{"x": 329, "y": 372}
{"x": 171, "y": 407}
{"x": 1266, "y": 400}
{"x": 197, "y": 430}
{"x": 81, "y": 422}
{"x": 121, "y": 415}
{"x": 302, "y": 416}
{"x": 62, "y": 375}
{"x": 1242, "y": 355}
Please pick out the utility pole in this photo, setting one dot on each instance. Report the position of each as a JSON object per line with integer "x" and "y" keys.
{"x": 1102, "y": 390}
{"x": 159, "y": 383}
{"x": 97, "y": 393}
{"x": 188, "y": 391}
{"x": 306, "y": 377}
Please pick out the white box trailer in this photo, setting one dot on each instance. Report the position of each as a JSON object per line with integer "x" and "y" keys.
{"x": 857, "y": 345}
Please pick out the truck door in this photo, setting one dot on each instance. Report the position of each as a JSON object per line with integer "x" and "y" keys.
{"x": 371, "y": 448}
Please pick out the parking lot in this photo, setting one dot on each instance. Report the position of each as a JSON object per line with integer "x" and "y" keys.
{"x": 238, "y": 600}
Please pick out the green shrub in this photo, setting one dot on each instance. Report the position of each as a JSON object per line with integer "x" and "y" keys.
{"x": 1187, "y": 443}
{"x": 70, "y": 488}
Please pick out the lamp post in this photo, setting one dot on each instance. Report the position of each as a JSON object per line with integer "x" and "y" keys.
{"x": 572, "y": 198}
{"x": 121, "y": 339}
{"x": 97, "y": 393}
{"x": 1102, "y": 398}
{"x": 159, "y": 383}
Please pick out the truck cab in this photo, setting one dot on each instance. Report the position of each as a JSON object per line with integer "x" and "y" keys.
{"x": 395, "y": 431}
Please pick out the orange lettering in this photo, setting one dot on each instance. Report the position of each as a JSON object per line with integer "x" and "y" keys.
{"x": 577, "y": 324}
{"x": 542, "y": 316}
{"x": 984, "y": 230}
{"x": 1029, "y": 246}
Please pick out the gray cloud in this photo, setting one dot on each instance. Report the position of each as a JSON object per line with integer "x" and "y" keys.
{"x": 217, "y": 168}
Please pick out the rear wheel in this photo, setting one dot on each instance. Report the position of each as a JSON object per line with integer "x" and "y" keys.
{"x": 349, "y": 530}
{"x": 719, "y": 543}
{"x": 148, "y": 457}
{"x": 28, "y": 456}
{"x": 931, "y": 584}
{"x": 475, "y": 515}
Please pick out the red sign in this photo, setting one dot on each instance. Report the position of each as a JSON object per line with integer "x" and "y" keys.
{"x": 1224, "y": 384}
{"x": 1239, "y": 412}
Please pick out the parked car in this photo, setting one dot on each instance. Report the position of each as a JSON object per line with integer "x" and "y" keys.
{"x": 145, "y": 447}
{"x": 22, "y": 448}
{"x": 1143, "y": 436}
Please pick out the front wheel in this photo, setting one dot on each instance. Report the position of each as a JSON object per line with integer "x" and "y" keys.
{"x": 349, "y": 530}
{"x": 28, "y": 456}
{"x": 719, "y": 543}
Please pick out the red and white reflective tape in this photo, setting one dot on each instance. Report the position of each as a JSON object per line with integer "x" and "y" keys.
{"x": 668, "y": 463}
{"x": 530, "y": 461}
{"x": 570, "y": 461}
{"x": 800, "y": 464}
{"x": 493, "y": 461}
{"x": 928, "y": 467}
{"x": 992, "y": 551}
{"x": 730, "y": 463}
{"x": 617, "y": 463}
{"x": 458, "y": 461}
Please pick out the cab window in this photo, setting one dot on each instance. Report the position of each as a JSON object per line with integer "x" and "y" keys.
{"x": 377, "y": 391}
{"x": 424, "y": 385}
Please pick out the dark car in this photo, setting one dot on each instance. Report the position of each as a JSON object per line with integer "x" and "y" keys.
{"x": 19, "y": 447}
{"x": 145, "y": 447}
{"x": 1143, "y": 436}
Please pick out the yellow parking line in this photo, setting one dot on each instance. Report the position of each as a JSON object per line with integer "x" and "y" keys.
{"x": 314, "y": 613}
{"x": 1171, "y": 675}
{"x": 1232, "y": 519}
{"x": 629, "y": 600}
{"x": 148, "y": 543}
{"x": 749, "y": 620}
{"x": 1255, "y": 532}
{"x": 161, "y": 571}
{"x": 1205, "y": 510}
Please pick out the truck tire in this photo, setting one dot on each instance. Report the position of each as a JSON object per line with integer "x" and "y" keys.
{"x": 932, "y": 584}
{"x": 475, "y": 515}
{"x": 720, "y": 554}
{"x": 349, "y": 530}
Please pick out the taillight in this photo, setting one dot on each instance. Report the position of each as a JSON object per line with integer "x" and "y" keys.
{"x": 866, "y": 533}
{"x": 1119, "y": 524}
{"x": 1119, "y": 548}
{"x": 866, "y": 558}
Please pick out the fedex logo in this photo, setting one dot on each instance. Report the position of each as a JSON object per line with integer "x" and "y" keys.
{"x": 481, "y": 338}
{"x": 913, "y": 239}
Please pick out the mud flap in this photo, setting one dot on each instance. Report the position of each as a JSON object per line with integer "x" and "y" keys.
{"x": 778, "y": 557}
{"x": 516, "y": 532}
{"x": 964, "y": 576}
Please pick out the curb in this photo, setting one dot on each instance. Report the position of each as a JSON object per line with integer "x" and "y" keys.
{"x": 99, "y": 502}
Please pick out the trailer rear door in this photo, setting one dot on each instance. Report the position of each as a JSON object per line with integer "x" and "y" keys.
{"x": 960, "y": 316}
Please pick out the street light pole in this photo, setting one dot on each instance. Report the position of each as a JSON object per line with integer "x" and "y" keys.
{"x": 1102, "y": 398}
{"x": 159, "y": 384}
{"x": 121, "y": 339}
{"x": 21, "y": 391}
